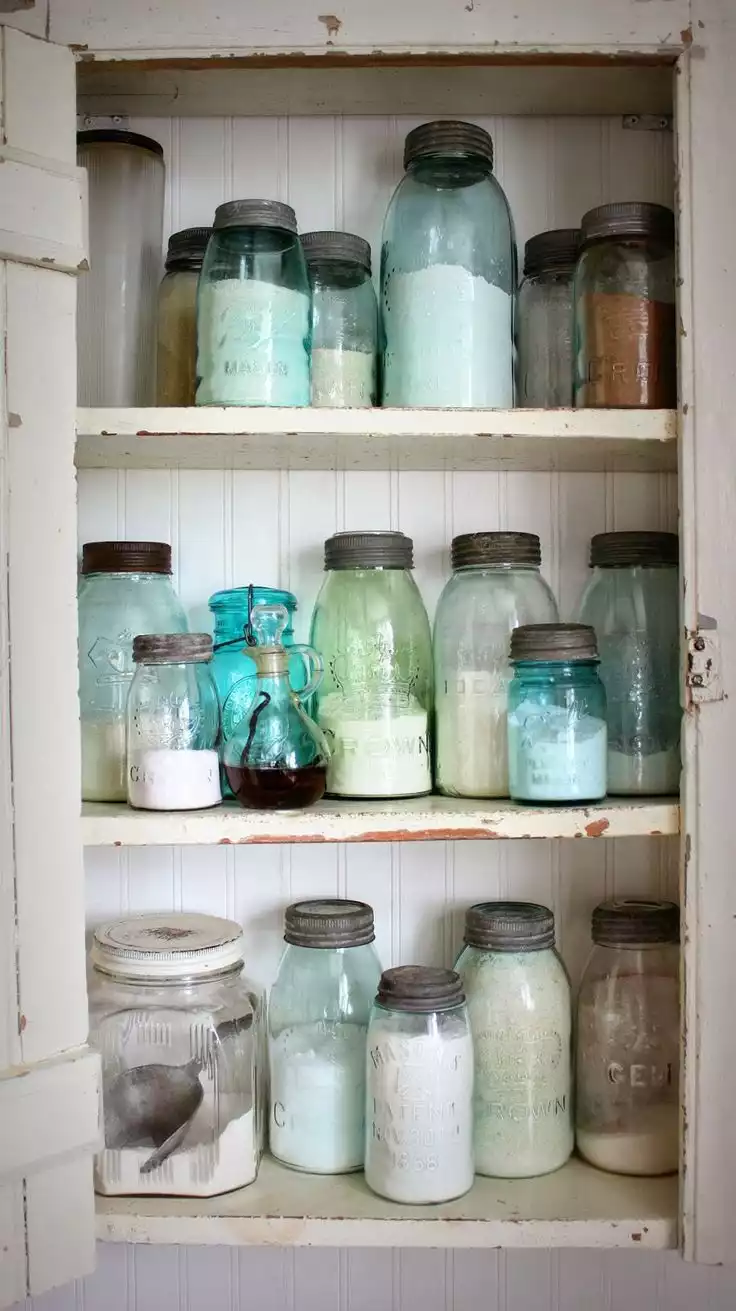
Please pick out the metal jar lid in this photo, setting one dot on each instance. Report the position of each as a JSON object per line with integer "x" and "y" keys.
{"x": 172, "y": 648}
{"x": 377, "y": 550}
{"x": 167, "y": 946}
{"x": 495, "y": 548}
{"x": 420, "y": 988}
{"x": 548, "y": 251}
{"x": 126, "y": 558}
{"x": 329, "y": 922}
{"x": 628, "y": 218}
{"x": 509, "y": 926}
{"x": 336, "y": 245}
{"x": 255, "y": 214}
{"x": 186, "y": 248}
{"x": 447, "y": 137}
{"x": 619, "y": 550}
{"x": 629, "y": 922}
{"x": 563, "y": 642}
{"x": 119, "y": 137}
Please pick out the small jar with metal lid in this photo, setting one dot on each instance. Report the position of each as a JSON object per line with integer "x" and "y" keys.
{"x": 344, "y": 319}
{"x": 180, "y": 1032}
{"x": 176, "y": 349}
{"x": 173, "y": 724}
{"x": 556, "y": 715}
{"x": 628, "y": 1040}
{"x": 495, "y": 586}
{"x": 625, "y": 340}
{"x": 253, "y": 308}
{"x": 519, "y": 1006}
{"x": 317, "y": 1025}
{"x": 419, "y": 1104}
{"x": 545, "y": 319}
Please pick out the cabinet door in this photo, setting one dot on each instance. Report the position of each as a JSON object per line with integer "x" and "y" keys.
{"x": 49, "y": 1103}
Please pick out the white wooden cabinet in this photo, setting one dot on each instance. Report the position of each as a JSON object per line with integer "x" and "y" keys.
{"x": 277, "y": 100}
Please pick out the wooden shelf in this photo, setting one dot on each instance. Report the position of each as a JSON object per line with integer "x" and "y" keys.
{"x": 420, "y": 819}
{"x": 242, "y": 438}
{"x": 575, "y": 1207}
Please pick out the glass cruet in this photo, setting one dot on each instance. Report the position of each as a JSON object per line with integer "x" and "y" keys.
{"x": 277, "y": 757}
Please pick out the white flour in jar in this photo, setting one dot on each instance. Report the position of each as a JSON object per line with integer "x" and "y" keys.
{"x": 252, "y": 340}
{"x": 343, "y": 377}
{"x": 318, "y": 1097}
{"x": 384, "y": 756}
{"x": 555, "y": 755}
{"x": 472, "y": 735}
{"x": 162, "y": 778}
{"x": 103, "y": 759}
{"x": 657, "y": 774}
{"x": 653, "y": 1148}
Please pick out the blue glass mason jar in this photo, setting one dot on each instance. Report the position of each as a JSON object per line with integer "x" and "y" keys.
{"x": 448, "y": 274}
{"x": 344, "y": 319}
{"x": 556, "y": 715}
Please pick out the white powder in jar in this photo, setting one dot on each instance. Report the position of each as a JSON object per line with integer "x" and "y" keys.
{"x": 384, "y": 756}
{"x": 657, "y": 774}
{"x": 317, "y": 1118}
{"x": 472, "y": 735}
{"x": 343, "y": 377}
{"x": 653, "y": 1148}
{"x": 163, "y": 778}
{"x": 103, "y": 759}
{"x": 556, "y": 755}
{"x": 252, "y": 340}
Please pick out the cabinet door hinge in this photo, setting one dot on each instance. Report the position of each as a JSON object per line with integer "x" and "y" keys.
{"x": 703, "y": 677}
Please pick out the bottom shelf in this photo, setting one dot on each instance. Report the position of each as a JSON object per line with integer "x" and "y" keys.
{"x": 575, "y": 1207}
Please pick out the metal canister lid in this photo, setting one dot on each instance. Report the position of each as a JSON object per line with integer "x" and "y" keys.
{"x": 619, "y": 550}
{"x": 509, "y": 926}
{"x": 186, "y": 248}
{"x": 255, "y": 214}
{"x": 118, "y": 137}
{"x": 448, "y": 137}
{"x": 167, "y": 946}
{"x": 329, "y": 923}
{"x": 628, "y": 218}
{"x": 374, "y": 550}
{"x": 547, "y": 251}
{"x": 563, "y": 642}
{"x": 420, "y": 988}
{"x": 172, "y": 648}
{"x": 630, "y": 921}
{"x": 126, "y": 558}
{"x": 336, "y": 245}
{"x": 495, "y": 548}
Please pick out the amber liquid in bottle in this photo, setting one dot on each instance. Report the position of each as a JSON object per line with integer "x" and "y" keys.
{"x": 277, "y": 788}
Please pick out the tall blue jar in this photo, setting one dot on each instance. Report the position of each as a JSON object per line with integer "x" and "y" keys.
{"x": 556, "y": 715}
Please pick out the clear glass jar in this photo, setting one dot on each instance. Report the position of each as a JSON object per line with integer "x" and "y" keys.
{"x": 628, "y": 1040}
{"x": 625, "y": 339}
{"x": 545, "y": 319}
{"x": 632, "y": 601}
{"x": 374, "y": 703}
{"x": 173, "y": 724}
{"x": 448, "y": 274}
{"x": 253, "y": 309}
{"x": 125, "y": 589}
{"x": 176, "y": 350}
{"x": 317, "y": 1026}
{"x": 519, "y": 1007}
{"x": 556, "y": 715}
{"x": 419, "y": 1096}
{"x": 495, "y": 586}
{"x": 181, "y": 1034}
{"x": 344, "y": 319}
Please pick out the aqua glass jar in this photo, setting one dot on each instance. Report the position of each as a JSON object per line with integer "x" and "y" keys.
{"x": 344, "y": 319}
{"x": 125, "y": 589}
{"x": 545, "y": 319}
{"x": 448, "y": 274}
{"x": 556, "y": 715}
{"x": 374, "y": 703}
{"x": 317, "y": 1025}
{"x": 253, "y": 309}
{"x": 632, "y": 601}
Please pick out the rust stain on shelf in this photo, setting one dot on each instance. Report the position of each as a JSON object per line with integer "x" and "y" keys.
{"x": 597, "y": 828}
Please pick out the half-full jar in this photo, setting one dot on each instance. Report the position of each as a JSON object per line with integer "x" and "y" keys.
{"x": 495, "y": 586}
{"x": 253, "y": 309}
{"x": 374, "y": 704}
{"x": 344, "y": 319}
{"x": 125, "y": 589}
{"x": 173, "y": 724}
{"x": 628, "y": 1042}
{"x": 180, "y": 1032}
{"x": 557, "y": 715}
{"x": 448, "y": 274}
{"x": 632, "y": 602}
{"x": 545, "y": 319}
{"x": 625, "y": 341}
{"x": 317, "y": 1026}
{"x": 519, "y": 1006}
{"x": 176, "y": 352}
{"x": 419, "y": 1108}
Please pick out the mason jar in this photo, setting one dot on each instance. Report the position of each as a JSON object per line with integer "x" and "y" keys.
{"x": 125, "y": 589}
{"x": 419, "y": 1104}
{"x": 625, "y": 338}
{"x": 448, "y": 274}
{"x": 253, "y": 309}
{"x": 628, "y": 1040}
{"x": 180, "y": 1032}
{"x": 344, "y": 319}
{"x": 632, "y": 601}
{"x": 518, "y": 997}
{"x": 545, "y": 319}
{"x": 375, "y": 701}
{"x": 317, "y": 1026}
{"x": 176, "y": 347}
{"x": 495, "y": 586}
{"x": 556, "y": 715}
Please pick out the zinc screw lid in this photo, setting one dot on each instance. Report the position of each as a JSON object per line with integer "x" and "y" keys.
{"x": 167, "y": 946}
{"x": 186, "y": 248}
{"x": 628, "y": 218}
{"x": 172, "y": 648}
{"x": 126, "y": 558}
{"x": 329, "y": 923}
{"x": 630, "y": 922}
{"x": 255, "y": 214}
{"x": 509, "y": 926}
{"x": 563, "y": 642}
{"x": 547, "y": 251}
{"x": 447, "y": 137}
{"x": 338, "y": 246}
{"x": 495, "y": 549}
{"x": 373, "y": 550}
{"x": 629, "y": 549}
{"x": 420, "y": 988}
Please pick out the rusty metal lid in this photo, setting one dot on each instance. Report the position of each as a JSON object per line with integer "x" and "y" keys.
{"x": 420, "y": 988}
{"x": 563, "y": 642}
{"x": 495, "y": 549}
{"x": 509, "y": 926}
{"x": 630, "y": 922}
{"x": 628, "y": 218}
{"x": 622, "y": 550}
{"x": 255, "y": 214}
{"x": 447, "y": 137}
{"x": 172, "y": 648}
{"x": 549, "y": 251}
{"x": 329, "y": 923}
{"x": 126, "y": 558}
